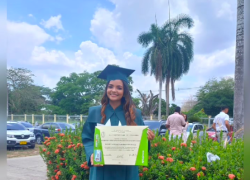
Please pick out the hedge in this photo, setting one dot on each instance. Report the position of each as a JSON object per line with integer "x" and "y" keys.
{"x": 168, "y": 159}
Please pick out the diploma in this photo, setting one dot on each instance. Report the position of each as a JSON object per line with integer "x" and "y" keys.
{"x": 121, "y": 145}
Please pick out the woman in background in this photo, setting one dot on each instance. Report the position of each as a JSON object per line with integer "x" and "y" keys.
{"x": 184, "y": 130}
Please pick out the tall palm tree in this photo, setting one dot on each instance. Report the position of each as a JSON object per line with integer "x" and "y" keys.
{"x": 154, "y": 56}
{"x": 179, "y": 49}
{"x": 239, "y": 67}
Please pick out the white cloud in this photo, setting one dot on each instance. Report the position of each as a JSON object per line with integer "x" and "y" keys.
{"x": 53, "y": 22}
{"x": 225, "y": 11}
{"x": 30, "y": 15}
{"x": 22, "y": 38}
{"x": 218, "y": 59}
{"x": 105, "y": 28}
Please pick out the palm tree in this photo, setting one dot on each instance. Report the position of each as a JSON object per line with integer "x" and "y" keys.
{"x": 179, "y": 47}
{"x": 154, "y": 56}
{"x": 239, "y": 66}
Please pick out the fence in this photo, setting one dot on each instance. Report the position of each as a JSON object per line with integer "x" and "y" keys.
{"x": 41, "y": 119}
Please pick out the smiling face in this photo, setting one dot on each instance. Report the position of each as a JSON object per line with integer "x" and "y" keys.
{"x": 115, "y": 90}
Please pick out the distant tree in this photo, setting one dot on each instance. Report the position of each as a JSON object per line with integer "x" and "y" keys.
{"x": 189, "y": 103}
{"x": 23, "y": 96}
{"x": 76, "y": 93}
{"x": 214, "y": 94}
{"x": 148, "y": 102}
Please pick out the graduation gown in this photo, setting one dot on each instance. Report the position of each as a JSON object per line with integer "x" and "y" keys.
{"x": 107, "y": 172}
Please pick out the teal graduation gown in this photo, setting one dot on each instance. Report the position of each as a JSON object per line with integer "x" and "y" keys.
{"x": 107, "y": 172}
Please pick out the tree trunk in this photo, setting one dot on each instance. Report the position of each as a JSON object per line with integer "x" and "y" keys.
{"x": 167, "y": 94}
{"x": 160, "y": 89}
{"x": 239, "y": 66}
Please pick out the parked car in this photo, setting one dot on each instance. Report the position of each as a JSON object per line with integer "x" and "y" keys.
{"x": 156, "y": 125}
{"x": 194, "y": 127}
{"x": 27, "y": 125}
{"x": 211, "y": 133}
{"x": 19, "y": 136}
{"x": 43, "y": 130}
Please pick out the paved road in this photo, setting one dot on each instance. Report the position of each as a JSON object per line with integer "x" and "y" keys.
{"x": 26, "y": 168}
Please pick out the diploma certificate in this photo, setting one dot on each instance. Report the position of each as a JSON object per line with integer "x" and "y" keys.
{"x": 121, "y": 145}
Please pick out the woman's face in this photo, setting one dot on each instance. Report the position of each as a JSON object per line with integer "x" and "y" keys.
{"x": 115, "y": 90}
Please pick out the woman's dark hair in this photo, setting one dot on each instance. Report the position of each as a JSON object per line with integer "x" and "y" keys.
{"x": 128, "y": 105}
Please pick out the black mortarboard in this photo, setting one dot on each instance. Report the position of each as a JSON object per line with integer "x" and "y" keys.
{"x": 111, "y": 73}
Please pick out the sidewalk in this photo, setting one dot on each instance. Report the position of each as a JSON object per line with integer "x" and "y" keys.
{"x": 26, "y": 168}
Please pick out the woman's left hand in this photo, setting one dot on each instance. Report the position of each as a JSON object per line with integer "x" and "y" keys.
{"x": 151, "y": 135}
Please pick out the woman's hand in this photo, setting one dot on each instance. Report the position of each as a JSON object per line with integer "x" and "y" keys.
{"x": 92, "y": 161}
{"x": 151, "y": 135}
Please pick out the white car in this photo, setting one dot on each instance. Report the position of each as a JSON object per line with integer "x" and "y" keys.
{"x": 19, "y": 136}
{"x": 194, "y": 127}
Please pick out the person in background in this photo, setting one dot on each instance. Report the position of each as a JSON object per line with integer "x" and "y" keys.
{"x": 176, "y": 122}
{"x": 184, "y": 129}
{"x": 221, "y": 124}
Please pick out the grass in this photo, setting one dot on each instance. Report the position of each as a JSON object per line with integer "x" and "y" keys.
{"x": 23, "y": 152}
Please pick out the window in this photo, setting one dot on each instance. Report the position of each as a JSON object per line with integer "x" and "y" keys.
{"x": 200, "y": 127}
{"x": 15, "y": 126}
{"x": 54, "y": 126}
{"x": 45, "y": 126}
{"x": 196, "y": 128}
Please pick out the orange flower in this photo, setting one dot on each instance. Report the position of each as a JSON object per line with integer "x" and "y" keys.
{"x": 162, "y": 162}
{"x": 170, "y": 160}
{"x": 173, "y": 148}
{"x": 164, "y": 139}
{"x": 181, "y": 162}
{"x": 69, "y": 146}
{"x": 149, "y": 157}
{"x": 156, "y": 144}
{"x": 184, "y": 144}
{"x": 50, "y": 162}
{"x": 169, "y": 155}
{"x": 82, "y": 165}
{"x": 198, "y": 174}
{"x": 62, "y": 135}
{"x": 161, "y": 157}
{"x": 59, "y": 173}
{"x": 231, "y": 176}
{"x": 86, "y": 167}
{"x": 44, "y": 150}
{"x": 57, "y": 151}
{"x": 59, "y": 146}
{"x": 57, "y": 177}
{"x": 194, "y": 142}
{"x": 73, "y": 177}
{"x": 203, "y": 168}
{"x": 141, "y": 174}
{"x": 192, "y": 169}
{"x": 145, "y": 169}
{"x": 62, "y": 159}
{"x": 48, "y": 153}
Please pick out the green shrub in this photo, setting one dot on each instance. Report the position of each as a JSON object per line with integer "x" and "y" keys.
{"x": 194, "y": 119}
{"x": 66, "y": 159}
{"x": 188, "y": 161}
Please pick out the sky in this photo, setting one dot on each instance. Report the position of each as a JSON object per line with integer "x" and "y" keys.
{"x": 56, "y": 38}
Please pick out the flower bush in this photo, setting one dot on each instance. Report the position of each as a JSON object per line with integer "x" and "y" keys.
{"x": 173, "y": 159}
{"x": 168, "y": 159}
{"x": 64, "y": 155}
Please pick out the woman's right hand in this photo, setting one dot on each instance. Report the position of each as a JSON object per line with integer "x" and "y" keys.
{"x": 92, "y": 161}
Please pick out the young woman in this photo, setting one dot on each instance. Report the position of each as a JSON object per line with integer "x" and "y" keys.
{"x": 184, "y": 130}
{"x": 117, "y": 109}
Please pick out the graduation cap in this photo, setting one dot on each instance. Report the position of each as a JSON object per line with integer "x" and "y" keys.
{"x": 111, "y": 73}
